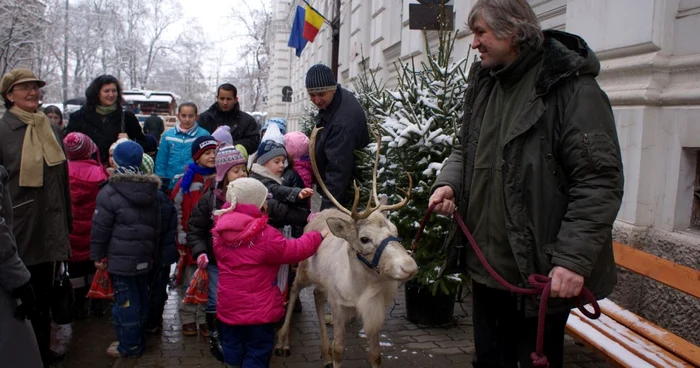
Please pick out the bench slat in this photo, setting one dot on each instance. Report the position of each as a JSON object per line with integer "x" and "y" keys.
{"x": 664, "y": 271}
{"x": 652, "y": 332}
{"x": 581, "y": 331}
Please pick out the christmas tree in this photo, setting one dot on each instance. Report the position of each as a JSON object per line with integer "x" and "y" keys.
{"x": 418, "y": 121}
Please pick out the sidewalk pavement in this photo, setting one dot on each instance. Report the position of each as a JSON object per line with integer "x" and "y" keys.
{"x": 404, "y": 344}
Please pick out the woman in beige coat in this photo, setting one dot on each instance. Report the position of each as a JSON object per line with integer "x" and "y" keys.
{"x": 32, "y": 153}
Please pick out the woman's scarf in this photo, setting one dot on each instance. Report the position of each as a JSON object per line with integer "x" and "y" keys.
{"x": 39, "y": 143}
{"x": 192, "y": 169}
{"x": 106, "y": 110}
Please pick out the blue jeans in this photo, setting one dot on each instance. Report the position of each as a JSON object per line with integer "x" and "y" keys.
{"x": 130, "y": 312}
{"x": 213, "y": 271}
{"x": 248, "y": 346}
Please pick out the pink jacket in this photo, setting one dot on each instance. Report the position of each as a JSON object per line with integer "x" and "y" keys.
{"x": 249, "y": 252}
{"x": 85, "y": 177}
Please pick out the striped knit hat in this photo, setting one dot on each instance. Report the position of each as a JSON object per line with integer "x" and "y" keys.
{"x": 79, "y": 146}
{"x": 147, "y": 165}
{"x": 320, "y": 78}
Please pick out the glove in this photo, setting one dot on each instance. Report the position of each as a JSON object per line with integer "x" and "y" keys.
{"x": 202, "y": 261}
{"x": 311, "y": 216}
{"x": 25, "y": 294}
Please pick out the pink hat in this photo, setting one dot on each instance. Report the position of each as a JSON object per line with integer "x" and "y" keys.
{"x": 79, "y": 146}
{"x": 226, "y": 158}
{"x": 297, "y": 144}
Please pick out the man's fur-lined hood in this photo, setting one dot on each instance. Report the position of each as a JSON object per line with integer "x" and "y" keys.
{"x": 141, "y": 190}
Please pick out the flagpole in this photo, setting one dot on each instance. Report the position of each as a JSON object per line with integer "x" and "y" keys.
{"x": 336, "y": 39}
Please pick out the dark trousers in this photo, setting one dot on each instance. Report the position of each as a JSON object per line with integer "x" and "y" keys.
{"x": 130, "y": 312}
{"x": 503, "y": 337}
{"x": 159, "y": 295}
{"x": 84, "y": 270}
{"x": 248, "y": 346}
{"x": 42, "y": 281}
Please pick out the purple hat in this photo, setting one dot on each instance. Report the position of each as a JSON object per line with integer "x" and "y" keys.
{"x": 226, "y": 158}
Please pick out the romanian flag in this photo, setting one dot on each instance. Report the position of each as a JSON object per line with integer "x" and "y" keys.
{"x": 312, "y": 23}
{"x": 296, "y": 38}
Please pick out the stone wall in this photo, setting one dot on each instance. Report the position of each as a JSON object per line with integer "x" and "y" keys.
{"x": 671, "y": 309}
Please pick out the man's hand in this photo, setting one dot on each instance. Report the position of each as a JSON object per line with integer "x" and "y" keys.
{"x": 445, "y": 196}
{"x": 306, "y": 193}
{"x": 565, "y": 283}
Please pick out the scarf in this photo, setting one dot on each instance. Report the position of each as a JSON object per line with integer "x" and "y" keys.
{"x": 128, "y": 170}
{"x": 192, "y": 169}
{"x": 39, "y": 142}
{"x": 183, "y": 130}
{"x": 106, "y": 110}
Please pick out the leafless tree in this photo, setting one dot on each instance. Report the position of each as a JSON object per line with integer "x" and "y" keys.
{"x": 22, "y": 30}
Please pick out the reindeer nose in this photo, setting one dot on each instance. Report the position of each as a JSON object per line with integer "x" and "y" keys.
{"x": 410, "y": 269}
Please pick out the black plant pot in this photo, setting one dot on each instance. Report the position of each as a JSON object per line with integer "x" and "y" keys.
{"x": 424, "y": 308}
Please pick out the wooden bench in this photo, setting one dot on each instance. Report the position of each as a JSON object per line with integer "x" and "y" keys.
{"x": 625, "y": 339}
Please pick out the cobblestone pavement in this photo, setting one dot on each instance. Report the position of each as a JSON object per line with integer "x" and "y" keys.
{"x": 404, "y": 344}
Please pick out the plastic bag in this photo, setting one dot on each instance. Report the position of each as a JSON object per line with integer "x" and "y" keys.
{"x": 101, "y": 287}
{"x": 197, "y": 292}
{"x": 180, "y": 271}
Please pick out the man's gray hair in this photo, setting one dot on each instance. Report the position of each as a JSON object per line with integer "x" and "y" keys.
{"x": 509, "y": 17}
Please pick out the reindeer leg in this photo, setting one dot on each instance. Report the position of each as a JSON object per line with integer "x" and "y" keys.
{"x": 282, "y": 347}
{"x": 320, "y": 303}
{"x": 375, "y": 352}
{"x": 372, "y": 320}
{"x": 338, "y": 335}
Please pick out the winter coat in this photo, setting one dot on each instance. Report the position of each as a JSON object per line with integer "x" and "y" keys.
{"x": 18, "y": 346}
{"x": 344, "y": 131}
{"x": 126, "y": 225}
{"x": 104, "y": 133}
{"x": 175, "y": 152}
{"x": 184, "y": 204}
{"x": 42, "y": 216}
{"x": 167, "y": 254}
{"x": 244, "y": 128}
{"x": 154, "y": 126}
{"x": 303, "y": 168}
{"x": 250, "y": 252}
{"x": 201, "y": 223}
{"x": 561, "y": 170}
{"x": 86, "y": 178}
{"x": 283, "y": 205}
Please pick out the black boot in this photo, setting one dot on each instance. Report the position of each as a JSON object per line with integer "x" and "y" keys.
{"x": 215, "y": 340}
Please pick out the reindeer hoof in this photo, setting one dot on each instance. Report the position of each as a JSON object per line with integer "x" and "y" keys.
{"x": 283, "y": 352}
{"x": 329, "y": 365}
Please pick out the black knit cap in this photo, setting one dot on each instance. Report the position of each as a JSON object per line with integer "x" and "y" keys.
{"x": 320, "y": 78}
{"x": 201, "y": 145}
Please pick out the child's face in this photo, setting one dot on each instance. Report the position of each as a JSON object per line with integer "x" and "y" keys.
{"x": 236, "y": 172}
{"x": 207, "y": 159}
{"x": 112, "y": 164}
{"x": 276, "y": 165}
{"x": 187, "y": 117}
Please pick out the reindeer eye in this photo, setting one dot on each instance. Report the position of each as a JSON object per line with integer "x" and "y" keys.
{"x": 365, "y": 240}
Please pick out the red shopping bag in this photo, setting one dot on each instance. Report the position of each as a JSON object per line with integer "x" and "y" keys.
{"x": 101, "y": 287}
{"x": 180, "y": 271}
{"x": 197, "y": 292}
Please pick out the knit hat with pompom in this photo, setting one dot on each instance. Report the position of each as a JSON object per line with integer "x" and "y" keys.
{"x": 297, "y": 145}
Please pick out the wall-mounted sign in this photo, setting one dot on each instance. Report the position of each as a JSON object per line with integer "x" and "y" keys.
{"x": 287, "y": 94}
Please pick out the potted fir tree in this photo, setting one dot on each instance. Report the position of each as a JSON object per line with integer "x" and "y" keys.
{"x": 418, "y": 122}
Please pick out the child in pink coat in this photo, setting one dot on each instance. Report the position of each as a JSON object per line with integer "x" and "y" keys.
{"x": 249, "y": 253}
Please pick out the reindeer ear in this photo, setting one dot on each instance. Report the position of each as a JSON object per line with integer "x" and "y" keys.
{"x": 342, "y": 228}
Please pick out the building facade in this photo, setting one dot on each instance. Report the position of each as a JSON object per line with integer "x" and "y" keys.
{"x": 650, "y": 68}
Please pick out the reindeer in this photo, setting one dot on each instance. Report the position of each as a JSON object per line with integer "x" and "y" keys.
{"x": 342, "y": 272}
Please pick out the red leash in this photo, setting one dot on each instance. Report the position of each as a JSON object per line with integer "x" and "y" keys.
{"x": 541, "y": 286}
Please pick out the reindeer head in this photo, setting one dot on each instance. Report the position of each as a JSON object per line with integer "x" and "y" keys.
{"x": 371, "y": 236}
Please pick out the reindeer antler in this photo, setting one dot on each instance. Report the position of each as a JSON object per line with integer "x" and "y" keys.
{"x": 373, "y": 191}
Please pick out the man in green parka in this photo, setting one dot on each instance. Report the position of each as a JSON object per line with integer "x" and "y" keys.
{"x": 537, "y": 176}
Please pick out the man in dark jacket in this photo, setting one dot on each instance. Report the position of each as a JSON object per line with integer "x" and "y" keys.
{"x": 344, "y": 130}
{"x": 536, "y": 175}
{"x": 154, "y": 126}
{"x": 227, "y": 111}
{"x": 125, "y": 239}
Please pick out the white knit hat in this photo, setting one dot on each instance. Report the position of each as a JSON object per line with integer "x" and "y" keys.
{"x": 246, "y": 191}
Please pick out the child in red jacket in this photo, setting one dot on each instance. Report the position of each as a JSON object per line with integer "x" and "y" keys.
{"x": 86, "y": 175}
{"x": 249, "y": 253}
{"x": 196, "y": 181}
